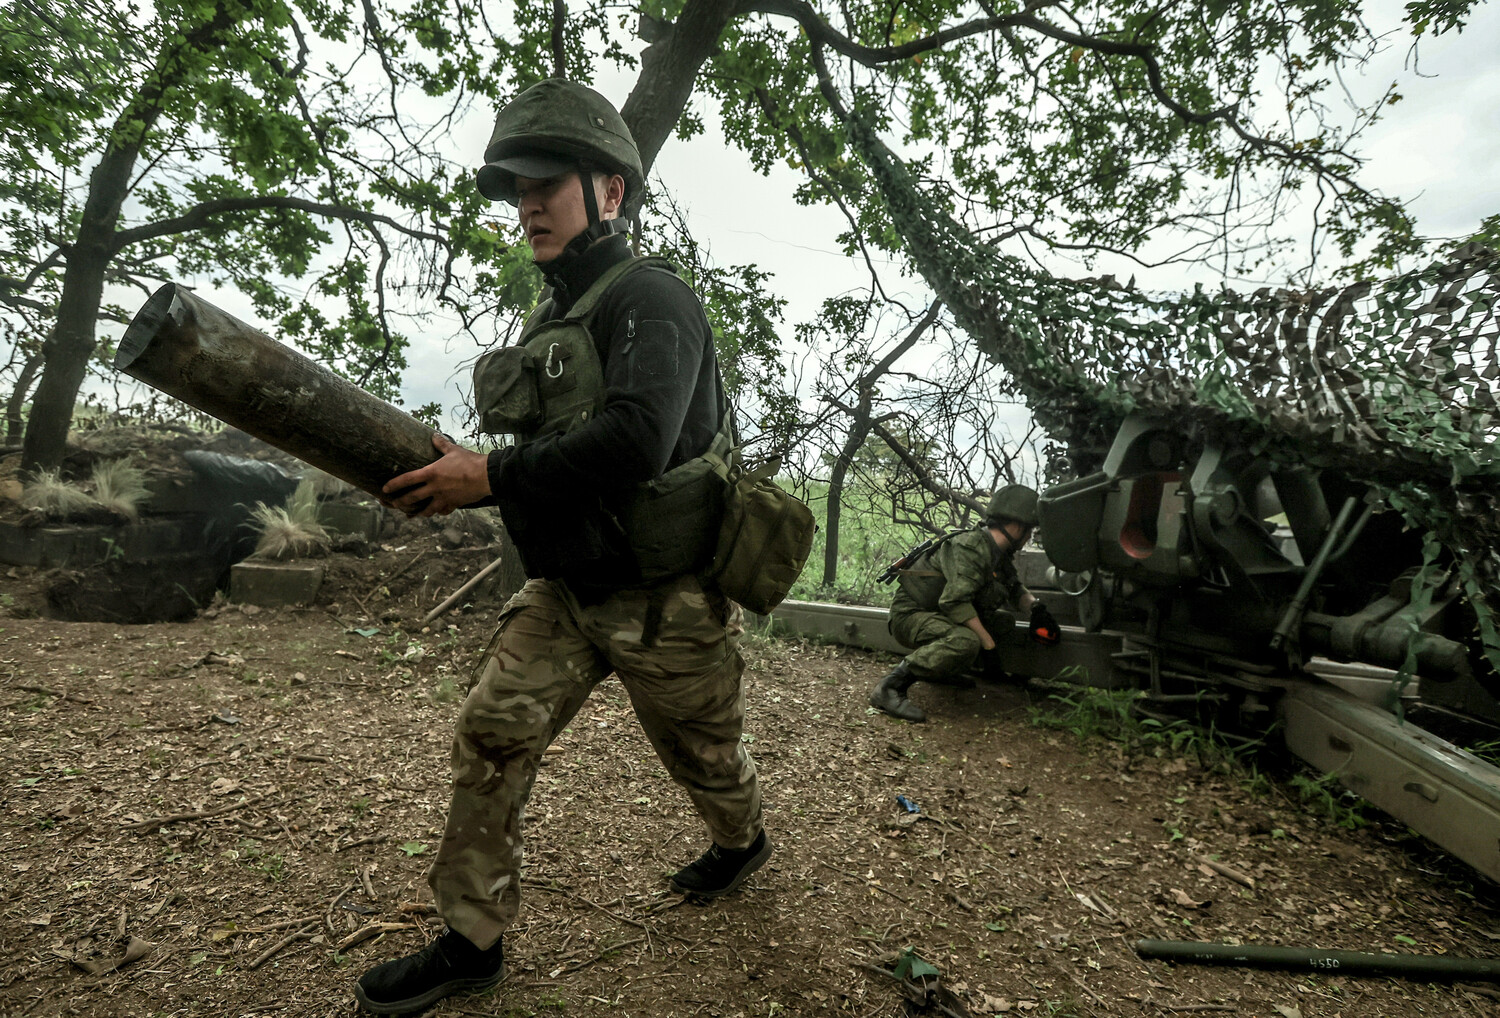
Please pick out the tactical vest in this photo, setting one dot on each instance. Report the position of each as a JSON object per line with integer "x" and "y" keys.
{"x": 552, "y": 382}
{"x": 923, "y": 582}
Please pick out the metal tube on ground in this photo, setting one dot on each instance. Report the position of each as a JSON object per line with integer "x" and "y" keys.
{"x": 187, "y": 348}
{"x": 1418, "y": 966}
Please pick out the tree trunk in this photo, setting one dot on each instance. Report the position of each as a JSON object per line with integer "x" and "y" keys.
{"x": 67, "y": 352}
{"x": 859, "y": 430}
{"x": 669, "y": 69}
{"x": 834, "y": 515}
{"x": 14, "y": 422}
{"x": 72, "y": 342}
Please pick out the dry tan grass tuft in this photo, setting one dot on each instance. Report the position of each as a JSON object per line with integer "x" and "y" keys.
{"x": 120, "y": 487}
{"x": 55, "y": 497}
{"x": 293, "y": 530}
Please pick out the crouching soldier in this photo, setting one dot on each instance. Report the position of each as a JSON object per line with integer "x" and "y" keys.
{"x": 956, "y": 600}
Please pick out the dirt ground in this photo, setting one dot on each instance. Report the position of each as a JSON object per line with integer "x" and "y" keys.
{"x": 243, "y": 806}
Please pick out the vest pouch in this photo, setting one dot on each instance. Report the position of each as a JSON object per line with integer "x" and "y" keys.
{"x": 923, "y": 583}
{"x": 569, "y": 378}
{"x": 673, "y": 522}
{"x": 505, "y": 392}
{"x": 764, "y": 540}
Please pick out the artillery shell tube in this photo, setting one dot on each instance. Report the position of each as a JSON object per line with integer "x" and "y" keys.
{"x": 1416, "y": 966}
{"x": 187, "y": 348}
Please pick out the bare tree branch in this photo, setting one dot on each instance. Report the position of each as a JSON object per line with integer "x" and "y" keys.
{"x": 922, "y": 474}
{"x": 202, "y": 215}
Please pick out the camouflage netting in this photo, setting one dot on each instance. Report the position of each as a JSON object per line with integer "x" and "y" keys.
{"x": 1390, "y": 383}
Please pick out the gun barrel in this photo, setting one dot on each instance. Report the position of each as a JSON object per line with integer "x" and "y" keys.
{"x": 1349, "y": 962}
{"x": 187, "y": 348}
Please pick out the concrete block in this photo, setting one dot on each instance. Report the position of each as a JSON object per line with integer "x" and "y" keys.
{"x": 272, "y": 584}
{"x": 352, "y": 518}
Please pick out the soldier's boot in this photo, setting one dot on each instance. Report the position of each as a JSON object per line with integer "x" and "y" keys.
{"x": 448, "y": 965}
{"x": 720, "y": 870}
{"x": 889, "y": 694}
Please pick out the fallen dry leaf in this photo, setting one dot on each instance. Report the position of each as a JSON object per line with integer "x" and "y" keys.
{"x": 135, "y": 950}
{"x": 1181, "y": 897}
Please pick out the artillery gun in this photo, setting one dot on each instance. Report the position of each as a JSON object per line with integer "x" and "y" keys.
{"x": 1226, "y": 567}
{"x": 1236, "y": 583}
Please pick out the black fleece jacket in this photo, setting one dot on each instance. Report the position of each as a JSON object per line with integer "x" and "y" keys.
{"x": 661, "y": 408}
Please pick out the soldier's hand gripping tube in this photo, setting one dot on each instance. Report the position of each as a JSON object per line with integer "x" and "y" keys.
{"x": 1044, "y": 628}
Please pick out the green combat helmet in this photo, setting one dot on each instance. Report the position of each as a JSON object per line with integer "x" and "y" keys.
{"x": 1013, "y": 502}
{"x": 553, "y": 127}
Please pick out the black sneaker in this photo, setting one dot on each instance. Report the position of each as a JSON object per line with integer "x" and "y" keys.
{"x": 449, "y": 964}
{"x": 720, "y": 870}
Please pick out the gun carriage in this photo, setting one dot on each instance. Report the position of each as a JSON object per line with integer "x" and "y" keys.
{"x": 1226, "y": 568}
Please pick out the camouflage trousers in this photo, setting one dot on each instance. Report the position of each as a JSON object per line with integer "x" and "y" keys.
{"x": 945, "y": 651}
{"x": 547, "y": 654}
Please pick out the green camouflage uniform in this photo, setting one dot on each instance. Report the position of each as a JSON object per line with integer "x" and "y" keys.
{"x": 969, "y": 575}
{"x": 547, "y": 654}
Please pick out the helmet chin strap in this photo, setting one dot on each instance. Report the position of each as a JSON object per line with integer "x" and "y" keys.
{"x": 596, "y": 229}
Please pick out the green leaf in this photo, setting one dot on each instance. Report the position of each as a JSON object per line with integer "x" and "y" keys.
{"x": 414, "y": 848}
{"x": 1402, "y": 938}
{"x": 913, "y": 966}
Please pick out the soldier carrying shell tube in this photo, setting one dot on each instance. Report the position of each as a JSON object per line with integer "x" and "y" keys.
{"x": 613, "y": 397}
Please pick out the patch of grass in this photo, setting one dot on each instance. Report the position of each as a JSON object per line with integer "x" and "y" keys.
{"x": 120, "y": 487}
{"x": 446, "y": 690}
{"x": 1123, "y": 716}
{"x": 270, "y": 864}
{"x": 1489, "y": 752}
{"x": 1322, "y": 796}
{"x": 290, "y": 531}
{"x": 55, "y": 497}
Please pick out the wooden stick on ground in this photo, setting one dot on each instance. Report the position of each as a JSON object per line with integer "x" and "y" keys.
{"x": 442, "y": 609}
{"x": 598, "y": 957}
{"x": 1227, "y": 871}
{"x": 1079, "y": 983}
{"x": 869, "y": 883}
{"x": 302, "y": 934}
{"x": 386, "y": 581}
{"x": 373, "y": 929}
{"x": 147, "y": 826}
{"x": 371, "y": 840}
